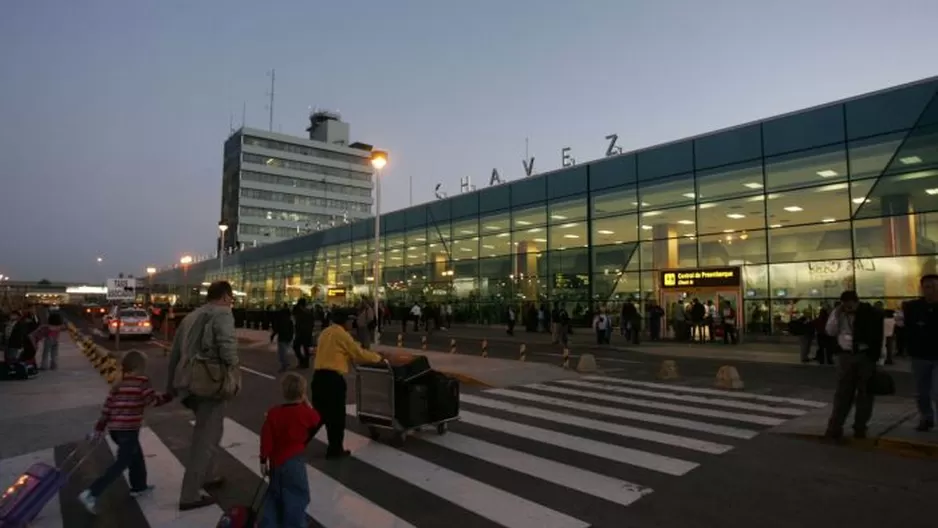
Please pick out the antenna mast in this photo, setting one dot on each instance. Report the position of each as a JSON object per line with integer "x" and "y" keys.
{"x": 270, "y": 105}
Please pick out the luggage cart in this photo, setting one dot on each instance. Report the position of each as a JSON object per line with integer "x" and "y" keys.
{"x": 376, "y": 407}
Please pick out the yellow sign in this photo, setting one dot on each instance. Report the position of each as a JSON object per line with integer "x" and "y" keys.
{"x": 335, "y": 292}
{"x": 702, "y": 278}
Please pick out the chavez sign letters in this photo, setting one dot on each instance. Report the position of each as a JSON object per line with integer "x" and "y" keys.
{"x": 701, "y": 278}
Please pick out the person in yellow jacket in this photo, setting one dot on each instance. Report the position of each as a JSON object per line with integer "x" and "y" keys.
{"x": 334, "y": 350}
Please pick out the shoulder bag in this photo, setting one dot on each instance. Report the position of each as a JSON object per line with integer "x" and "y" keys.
{"x": 204, "y": 374}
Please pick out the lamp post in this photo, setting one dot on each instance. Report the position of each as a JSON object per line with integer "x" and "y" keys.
{"x": 379, "y": 159}
{"x": 150, "y": 271}
{"x": 222, "y": 226}
{"x": 185, "y": 261}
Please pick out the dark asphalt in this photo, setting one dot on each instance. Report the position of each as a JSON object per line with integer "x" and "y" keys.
{"x": 768, "y": 481}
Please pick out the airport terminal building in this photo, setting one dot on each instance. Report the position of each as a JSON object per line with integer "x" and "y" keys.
{"x": 775, "y": 216}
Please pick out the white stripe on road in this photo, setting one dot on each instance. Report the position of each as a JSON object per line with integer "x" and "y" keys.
{"x": 623, "y": 455}
{"x": 788, "y": 411}
{"x": 683, "y": 409}
{"x": 257, "y": 373}
{"x": 631, "y": 415}
{"x": 482, "y": 499}
{"x": 622, "y": 430}
{"x": 11, "y": 469}
{"x": 698, "y": 390}
{"x": 331, "y": 504}
{"x": 608, "y": 488}
{"x": 164, "y": 473}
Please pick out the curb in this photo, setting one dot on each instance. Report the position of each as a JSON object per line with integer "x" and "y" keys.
{"x": 466, "y": 380}
{"x": 892, "y": 445}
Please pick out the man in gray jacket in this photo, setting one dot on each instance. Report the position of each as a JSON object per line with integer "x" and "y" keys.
{"x": 213, "y": 320}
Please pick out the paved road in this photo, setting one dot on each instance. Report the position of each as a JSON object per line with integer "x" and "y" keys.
{"x": 619, "y": 450}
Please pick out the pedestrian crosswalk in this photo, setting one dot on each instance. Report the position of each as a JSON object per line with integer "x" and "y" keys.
{"x": 564, "y": 454}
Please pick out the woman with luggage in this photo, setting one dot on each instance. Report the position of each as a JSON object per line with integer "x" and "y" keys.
{"x": 334, "y": 350}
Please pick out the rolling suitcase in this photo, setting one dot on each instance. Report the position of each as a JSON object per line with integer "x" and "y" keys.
{"x": 22, "y": 502}
{"x": 245, "y": 516}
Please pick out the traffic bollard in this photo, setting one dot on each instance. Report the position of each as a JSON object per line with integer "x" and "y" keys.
{"x": 524, "y": 352}
{"x": 423, "y": 343}
{"x": 452, "y": 346}
{"x": 566, "y": 358}
{"x": 485, "y": 348}
{"x": 400, "y": 340}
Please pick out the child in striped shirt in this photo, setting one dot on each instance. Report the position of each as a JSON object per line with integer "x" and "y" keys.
{"x": 122, "y": 416}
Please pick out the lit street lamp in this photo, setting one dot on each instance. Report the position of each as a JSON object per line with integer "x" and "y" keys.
{"x": 379, "y": 159}
{"x": 185, "y": 261}
{"x": 222, "y": 226}
{"x": 150, "y": 271}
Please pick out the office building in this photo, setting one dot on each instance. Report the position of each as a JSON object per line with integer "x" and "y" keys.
{"x": 277, "y": 186}
{"x": 775, "y": 217}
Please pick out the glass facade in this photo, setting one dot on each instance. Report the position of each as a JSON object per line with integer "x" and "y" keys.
{"x": 843, "y": 196}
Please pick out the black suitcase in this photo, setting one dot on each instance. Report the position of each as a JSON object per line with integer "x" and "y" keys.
{"x": 412, "y": 404}
{"x": 443, "y": 397}
{"x": 411, "y": 369}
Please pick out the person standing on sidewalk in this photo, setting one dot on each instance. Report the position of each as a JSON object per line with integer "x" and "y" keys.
{"x": 206, "y": 334}
{"x": 305, "y": 326}
{"x": 857, "y": 328}
{"x": 920, "y": 324}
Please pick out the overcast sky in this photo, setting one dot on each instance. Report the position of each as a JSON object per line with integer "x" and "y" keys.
{"x": 113, "y": 112}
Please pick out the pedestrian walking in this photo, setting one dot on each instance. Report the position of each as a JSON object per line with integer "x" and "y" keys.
{"x": 204, "y": 375}
{"x": 334, "y": 350}
{"x": 920, "y": 324}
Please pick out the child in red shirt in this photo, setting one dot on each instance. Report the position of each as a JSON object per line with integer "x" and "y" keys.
{"x": 286, "y": 431}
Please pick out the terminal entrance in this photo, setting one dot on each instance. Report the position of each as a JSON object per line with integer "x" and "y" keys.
{"x": 678, "y": 289}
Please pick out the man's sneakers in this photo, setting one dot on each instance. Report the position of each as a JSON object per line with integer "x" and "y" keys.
{"x": 90, "y": 502}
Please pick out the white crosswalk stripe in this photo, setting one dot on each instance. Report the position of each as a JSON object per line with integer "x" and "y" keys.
{"x": 589, "y": 439}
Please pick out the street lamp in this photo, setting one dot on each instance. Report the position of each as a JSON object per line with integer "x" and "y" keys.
{"x": 222, "y": 226}
{"x": 150, "y": 271}
{"x": 379, "y": 159}
{"x": 185, "y": 261}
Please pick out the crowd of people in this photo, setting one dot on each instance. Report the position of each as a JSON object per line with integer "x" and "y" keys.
{"x": 204, "y": 376}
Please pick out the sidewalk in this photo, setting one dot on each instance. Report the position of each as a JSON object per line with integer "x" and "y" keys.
{"x": 469, "y": 370}
{"x": 892, "y": 428}
{"x": 56, "y": 407}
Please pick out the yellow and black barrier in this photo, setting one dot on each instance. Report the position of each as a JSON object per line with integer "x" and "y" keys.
{"x": 523, "y": 353}
{"x": 452, "y": 346}
{"x": 566, "y": 358}
{"x": 423, "y": 343}
{"x": 485, "y": 348}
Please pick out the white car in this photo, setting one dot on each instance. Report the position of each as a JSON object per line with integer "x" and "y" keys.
{"x": 134, "y": 322}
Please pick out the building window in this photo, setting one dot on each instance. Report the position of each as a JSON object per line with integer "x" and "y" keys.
{"x": 306, "y": 167}
{"x": 306, "y": 151}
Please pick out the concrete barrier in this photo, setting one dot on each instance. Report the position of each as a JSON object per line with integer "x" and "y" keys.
{"x": 587, "y": 363}
{"x": 728, "y": 378}
{"x": 668, "y": 370}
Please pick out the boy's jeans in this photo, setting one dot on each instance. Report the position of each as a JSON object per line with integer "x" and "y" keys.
{"x": 283, "y": 350}
{"x": 129, "y": 457}
{"x": 50, "y": 354}
{"x": 287, "y": 496}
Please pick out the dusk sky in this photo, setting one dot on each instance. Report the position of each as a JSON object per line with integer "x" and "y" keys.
{"x": 113, "y": 112}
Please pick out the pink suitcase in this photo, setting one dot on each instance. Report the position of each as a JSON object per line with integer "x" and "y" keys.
{"x": 22, "y": 502}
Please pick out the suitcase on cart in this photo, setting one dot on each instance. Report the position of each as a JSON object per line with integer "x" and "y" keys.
{"x": 24, "y": 500}
{"x": 412, "y": 404}
{"x": 443, "y": 397}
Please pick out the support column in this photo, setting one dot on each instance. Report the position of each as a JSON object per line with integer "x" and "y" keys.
{"x": 900, "y": 239}
{"x": 525, "y": 265}
{"x": 665, "y": 247}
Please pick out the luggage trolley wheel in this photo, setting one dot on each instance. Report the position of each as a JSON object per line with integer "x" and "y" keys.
{"x": 374, "y": 432}
{"x": 441, "y": 428}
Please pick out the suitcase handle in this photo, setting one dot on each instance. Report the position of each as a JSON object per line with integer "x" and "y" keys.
{"x": 78, "y": 461}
